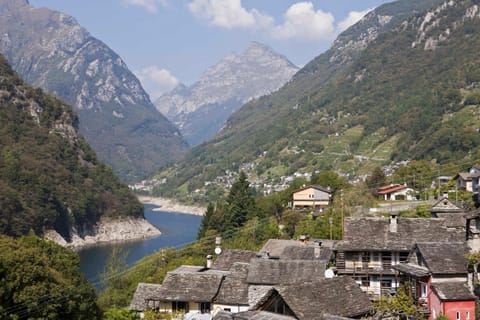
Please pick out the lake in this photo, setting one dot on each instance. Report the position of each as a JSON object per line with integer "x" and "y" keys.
{"x": 177, "y": 230}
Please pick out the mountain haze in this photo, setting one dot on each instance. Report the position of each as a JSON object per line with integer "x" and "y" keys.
{"x": 202, "y": 109}
{"x": 403, "y": 83}
{"x": 51, "y": 50}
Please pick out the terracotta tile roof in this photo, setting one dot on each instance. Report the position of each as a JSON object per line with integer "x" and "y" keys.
{"x": 390, "y": 188}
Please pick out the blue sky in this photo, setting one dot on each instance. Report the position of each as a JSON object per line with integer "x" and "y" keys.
{"x": 165, "y": 42}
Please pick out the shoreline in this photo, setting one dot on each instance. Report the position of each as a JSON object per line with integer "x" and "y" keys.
{"x": 170, "y": 205}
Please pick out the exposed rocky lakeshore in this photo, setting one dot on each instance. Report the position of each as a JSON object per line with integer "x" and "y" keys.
{"x": 170, "y": 205}
{"x": 107, "y": 231}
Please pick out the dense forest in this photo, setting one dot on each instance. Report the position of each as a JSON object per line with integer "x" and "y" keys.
{"x": 49, "y": 176}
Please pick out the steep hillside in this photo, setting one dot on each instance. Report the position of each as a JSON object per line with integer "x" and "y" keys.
{"x": 407, "y": 89}
{"x": 49, "y": 176}
{"x": 50, "y": 50}
{"x": 202, "y": 109}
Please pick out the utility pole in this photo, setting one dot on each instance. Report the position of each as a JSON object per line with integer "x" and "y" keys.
{"x": 343, "y": 224}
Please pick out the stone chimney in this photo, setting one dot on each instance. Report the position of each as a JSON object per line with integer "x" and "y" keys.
{"x": 393, "y": 221}
{"x": 316, "y": 249}
{"x": 209, "y": 261}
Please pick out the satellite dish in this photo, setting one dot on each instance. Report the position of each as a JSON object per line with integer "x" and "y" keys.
{"x": 218, "y": 250}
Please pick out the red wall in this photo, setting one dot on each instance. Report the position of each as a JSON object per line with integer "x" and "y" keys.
{"x": 450, "y": 308}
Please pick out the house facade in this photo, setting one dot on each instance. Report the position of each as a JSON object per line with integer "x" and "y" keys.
{"x": 373, "y": 246}
{"x": 312, "y": 197}
{"x": 396, "y": 192}
{"x": 438, "y": 275}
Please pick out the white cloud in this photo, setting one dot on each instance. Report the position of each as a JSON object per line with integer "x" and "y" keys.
{"x": 156, "y": 81}
{"x": 352, "y": 18}
{"x": 302, "y": 21}
{"x": 229, "y": 14}
{"x": 149, "y": 5}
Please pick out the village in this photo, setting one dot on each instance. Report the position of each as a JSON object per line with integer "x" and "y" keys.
{"x": 432, "y": 260}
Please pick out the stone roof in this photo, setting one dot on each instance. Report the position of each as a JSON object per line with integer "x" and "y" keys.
{"x": 234, "y": 288}
{"x": 142, "y": 294}
{"x": 340, "y": 296}
{"x": 376, "y": 234}
{"x": 444, "y": 258}
{"x": 452, "y": 291}
{"x": 412, "y": 269}
{"x": 306, "y": 253}
{"x": 275, "y": 247}
{"x": 273, "y": 271}
{"x": 251, "y": 315}
{"x": 229, "y": 257}
{"x": 446, "y": 205}
{"x": 189, "y": 286}
{"x": 316, "y": 187}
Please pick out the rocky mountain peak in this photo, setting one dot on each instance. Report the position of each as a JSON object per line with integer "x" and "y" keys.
{"x": 51, "y": 50}
{"x": 201, "y": 110}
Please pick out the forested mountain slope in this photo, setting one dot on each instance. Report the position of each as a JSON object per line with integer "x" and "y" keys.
{"x": 402, "y": 83}
{"x": 52, "y": 51}
{"x": 49, "y": 176}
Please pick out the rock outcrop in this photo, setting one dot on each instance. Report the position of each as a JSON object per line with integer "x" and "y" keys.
{"x": 106, "y": 231}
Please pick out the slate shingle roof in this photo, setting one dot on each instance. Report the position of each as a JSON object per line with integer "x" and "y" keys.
{"x": 190, "y": 286}
{"x": 452, "y": 291}
{"x": 234, "y": 288}
{"x": 275, "y": 247}
{"x": 444, "y": 258}
{"x": 374, "y": 234}
{"x": 142, "y": 294}
{"x": 412, "y": 269}
{"x": 228, "y": 257}
{"x": 340, "y": 296}
{"x": 306, "y": 253}
{"x": 272, "y": 271}
{"x": 250, "y": 315}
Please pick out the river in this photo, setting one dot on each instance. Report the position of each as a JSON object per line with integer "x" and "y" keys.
{"x": 177, "y": 231}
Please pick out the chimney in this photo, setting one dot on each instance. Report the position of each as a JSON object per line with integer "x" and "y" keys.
{"x": 316, "y": 249}
{"x": 209, "y": 261}
{"x": 393, "y": 221}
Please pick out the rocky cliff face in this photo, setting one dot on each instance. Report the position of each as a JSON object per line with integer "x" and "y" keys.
{"x": 51, "y": 50}
{"x": 202, "y": 109}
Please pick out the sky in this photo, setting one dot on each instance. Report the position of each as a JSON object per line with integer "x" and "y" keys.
{"x": 167, "y": 42}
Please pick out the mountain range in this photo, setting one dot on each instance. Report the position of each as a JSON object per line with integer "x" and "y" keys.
{"x": 51, "y": 50}
{"x": 402, "y": 83}
{"x": 50, "y": 178}
{"x": 202, "y": 109}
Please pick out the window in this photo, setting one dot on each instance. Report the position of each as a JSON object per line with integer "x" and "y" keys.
{"x": 424, "y": 290}
{"x": 365, "y": 282}
{"x": 458, "y": 315}
{"x": 181, "y": 306}
{"x": 204, "y": 307}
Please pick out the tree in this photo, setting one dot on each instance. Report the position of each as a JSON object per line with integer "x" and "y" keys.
{"x": 401, "y": 305}
{"x": 329, "y": 179}
{"x": 376, "y": 179}
{"x": 205, "y": 223}
{"x": 41, "y": 280}
{"x": 240, "y": 205}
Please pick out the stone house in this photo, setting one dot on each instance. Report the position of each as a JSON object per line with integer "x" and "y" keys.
{"x": 372, "y": 246}
{"x": 439, "y": 277}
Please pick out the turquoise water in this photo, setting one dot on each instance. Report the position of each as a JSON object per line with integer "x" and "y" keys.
{"x": 177, "y": 231}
